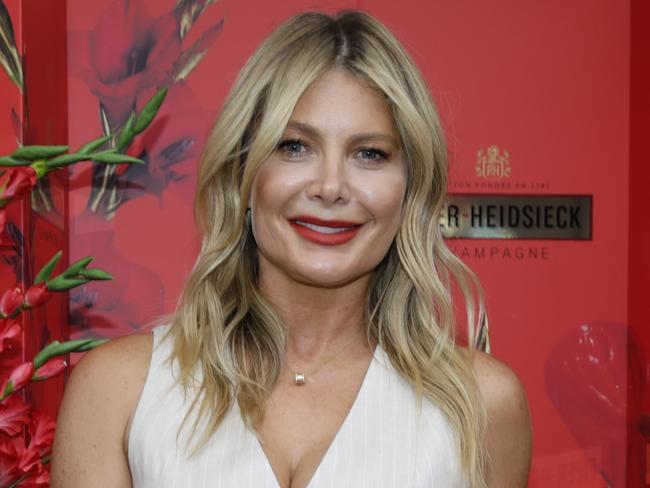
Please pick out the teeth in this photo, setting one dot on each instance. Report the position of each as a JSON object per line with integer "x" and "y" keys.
{"x": 324, "y": 230}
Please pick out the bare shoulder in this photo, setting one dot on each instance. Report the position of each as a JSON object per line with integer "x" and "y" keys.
{"x": 100, "y": 396}
{"x": 497, "y": 382}
{"x": 509, "y": 433}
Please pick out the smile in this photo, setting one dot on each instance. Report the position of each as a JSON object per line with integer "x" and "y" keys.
{"x": 320, "y": 234}
{"x": 323, "y": 229}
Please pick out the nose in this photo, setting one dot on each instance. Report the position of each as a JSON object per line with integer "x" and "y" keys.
{"x": 330, "y": 183}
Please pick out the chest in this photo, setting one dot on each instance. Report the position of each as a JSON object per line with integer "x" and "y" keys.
{"x": 302, "y": 422}
{"x": 316, "y": 440}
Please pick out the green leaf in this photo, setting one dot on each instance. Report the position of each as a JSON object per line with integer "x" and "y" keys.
{"x": 92, "y": 146}
{"x": 150, "y": 110}
{"x": 7, "y": 391}
{"x": 66, "y": 159}
{"x": 62, "y": 284}
{"x": 127, "y": 133}
{"x": 73, "y": 269}
{"x": 95, "y": 274}
{"x": 57, "y": 348}
{"x": 111, "y": 157}
{"x": 10, "y": 161}
{"x": 45, "y": 353}
{"x": 46, "y": 271}
{"x": 93, "y": 344}
{"x": 38, "y": 152}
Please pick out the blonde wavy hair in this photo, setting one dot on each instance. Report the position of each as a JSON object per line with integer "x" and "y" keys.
{"x": 225, "y": 330}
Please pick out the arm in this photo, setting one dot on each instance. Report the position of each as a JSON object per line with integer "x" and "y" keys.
{"x": 509, "y": 434}
{"x": 100, "y": 396}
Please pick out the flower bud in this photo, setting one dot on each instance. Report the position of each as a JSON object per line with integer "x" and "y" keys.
{"x": 37, "y": 294}
{"x": 51, "y": 368}
{"x": 10, "y": 301}
{"x": 9, "y": 332}
{"x": 18, "y": 378}
{"x": 16, "y": 181}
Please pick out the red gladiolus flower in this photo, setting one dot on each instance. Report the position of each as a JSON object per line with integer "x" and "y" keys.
{"x": 126, "y": 52}
{"x": 37, "y": 294}
{"x": 41, "y": 433}
{"x": 9, "y": 333}
{"x": 25, "y": 459}
{"x": 129, "y": 52}
{"x": 10, "y": 301}
{"x": 18, "y": 378}
{"x": 9, "y": 459}
{"x": 14, "y": 413}
{"x": 51, "y": 368}
{"x": 16, "y": 181}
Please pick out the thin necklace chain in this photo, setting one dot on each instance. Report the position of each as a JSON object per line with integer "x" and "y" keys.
{"x": 300, "y": 377}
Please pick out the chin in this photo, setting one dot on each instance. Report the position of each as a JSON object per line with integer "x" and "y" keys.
{"x": 325, "y": 278}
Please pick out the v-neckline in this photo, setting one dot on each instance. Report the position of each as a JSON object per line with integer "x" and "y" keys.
{"x": 355, "y": 403}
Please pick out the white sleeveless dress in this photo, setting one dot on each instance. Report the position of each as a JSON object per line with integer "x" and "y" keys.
{"x": 382, "y": 442}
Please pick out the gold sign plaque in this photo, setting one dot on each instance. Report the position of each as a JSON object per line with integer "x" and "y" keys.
{"x": 558, "y": 217}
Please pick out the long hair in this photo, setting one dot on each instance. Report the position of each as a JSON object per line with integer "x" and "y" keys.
{"x": 228, "y": 340}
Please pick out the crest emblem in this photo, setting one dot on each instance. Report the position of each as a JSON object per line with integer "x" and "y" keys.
{"x": 493, "y": 164}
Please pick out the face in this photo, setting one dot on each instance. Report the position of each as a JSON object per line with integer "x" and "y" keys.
{"x": 326, "y": 206}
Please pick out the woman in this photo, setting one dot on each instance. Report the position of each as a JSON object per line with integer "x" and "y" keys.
{"x": 314, "y": 343}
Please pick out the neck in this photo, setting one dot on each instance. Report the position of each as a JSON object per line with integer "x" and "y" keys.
{"x": 319, "y": 319}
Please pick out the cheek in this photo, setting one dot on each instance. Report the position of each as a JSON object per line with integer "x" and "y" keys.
{"x": 273, "y": 186}
{"x": 273, "y": 190}
{"x": 384, "y": 196}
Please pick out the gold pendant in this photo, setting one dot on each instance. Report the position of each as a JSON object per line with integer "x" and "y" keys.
{"x": 300, "y": 378}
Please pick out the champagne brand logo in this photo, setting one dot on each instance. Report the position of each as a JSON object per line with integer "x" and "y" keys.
{"x": 538, "y": 217}
{"x": 493, "y": 163}
{"x": 505, "y": 212}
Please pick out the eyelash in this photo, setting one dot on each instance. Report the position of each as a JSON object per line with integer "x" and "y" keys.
{"x": 382, "y": 154}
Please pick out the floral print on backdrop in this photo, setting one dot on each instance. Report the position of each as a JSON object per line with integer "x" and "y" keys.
{"x": 26, "y": 430}
{"x": 23, "y": 459}
{"x": 122, "y": 59}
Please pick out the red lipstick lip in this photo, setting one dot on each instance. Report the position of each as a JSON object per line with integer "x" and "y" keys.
{"x": 325, "y": 223}
{"x": 325, "y": 239}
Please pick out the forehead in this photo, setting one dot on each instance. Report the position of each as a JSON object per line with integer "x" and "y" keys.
{"x": 339, "y": 102}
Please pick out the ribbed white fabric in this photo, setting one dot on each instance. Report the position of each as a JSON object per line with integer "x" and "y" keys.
{"x": 383, "y": 442}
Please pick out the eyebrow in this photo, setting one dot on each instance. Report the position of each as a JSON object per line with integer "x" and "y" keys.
{"x": 313, "y": 132}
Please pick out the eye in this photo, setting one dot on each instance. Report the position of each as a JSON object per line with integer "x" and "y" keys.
{"x": 373, "y": 154}
{"x": 291, "y": 147}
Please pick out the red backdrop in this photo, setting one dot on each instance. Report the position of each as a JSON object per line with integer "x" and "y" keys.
{"x": 550, "y": 83}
